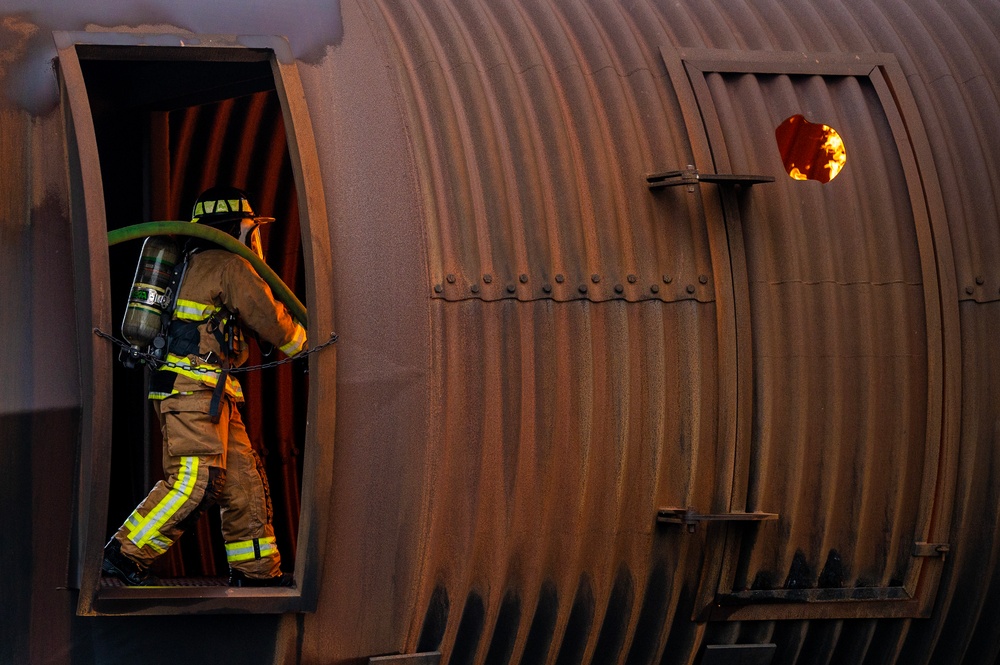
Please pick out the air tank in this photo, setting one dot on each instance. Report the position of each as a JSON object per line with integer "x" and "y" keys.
{"x": 150, "y": 295}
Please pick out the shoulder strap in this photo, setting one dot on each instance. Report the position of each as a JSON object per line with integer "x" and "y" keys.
{"x": 161, "y": 343}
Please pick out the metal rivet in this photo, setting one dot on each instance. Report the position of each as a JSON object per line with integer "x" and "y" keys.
{"x": 474, "y": 288}
{"x": 583, "y": 288}
{"x": 690, "y": 288}
{"x": 560, "y": 279}
{"x": 667, "y": 279}
{"x": 487, "y": 278}
{"x": 595, "y": 278}
{"x": 979, "y": 281}
{"x": 547, "y": 288}
{"x": 703, "y": 279}
{"x": 438, "y": 288}
{"x": 655, "y": 288}
{"x": 632, "y": 279}
{"x": 511, "y": 288}
{"x": 523, "y": 278}
{"x": 450, "y": 278}
{"x": 970, "y": 290}
{"x": 619, "y": 288}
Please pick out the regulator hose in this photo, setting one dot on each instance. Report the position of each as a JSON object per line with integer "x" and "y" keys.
{"x": 224, "y": 240}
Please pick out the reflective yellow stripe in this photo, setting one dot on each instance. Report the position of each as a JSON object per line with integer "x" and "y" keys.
{"x": 244, "y": 550}
{"x": 190, "y": 310}
{"x": 158, "y": 543}
{"x": 196, "y": 370}
{"x": 297, "y": 342}
{"x": 221, "y": 205}
{"x": 146, "y": 530}
{"x": 203, "y": 372}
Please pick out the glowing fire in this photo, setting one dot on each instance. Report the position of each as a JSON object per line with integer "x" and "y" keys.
{"x": 810, "y": 151}
{"x": 834, "y": 147}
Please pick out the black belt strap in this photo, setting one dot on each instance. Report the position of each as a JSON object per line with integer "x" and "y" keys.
{"x": 220, "y": 388}
{"x": 227, "y": 344}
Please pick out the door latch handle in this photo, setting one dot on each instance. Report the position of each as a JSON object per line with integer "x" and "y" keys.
{"x": 690, "y": 518}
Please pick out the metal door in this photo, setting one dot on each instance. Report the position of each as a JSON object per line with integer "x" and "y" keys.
{"x": 840, "y": 400}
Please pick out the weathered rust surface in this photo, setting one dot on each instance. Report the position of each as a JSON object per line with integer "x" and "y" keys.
{"x": 823, "y": 352}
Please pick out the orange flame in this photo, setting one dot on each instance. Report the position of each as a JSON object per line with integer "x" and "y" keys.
{"x": 810, "y": 151}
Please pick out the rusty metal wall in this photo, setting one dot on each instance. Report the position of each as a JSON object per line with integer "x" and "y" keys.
{"x": 532, "y": 128}
{"x": 39, "y": 397}
{"x": 35, "y": 253}
{"x": 500, "y": 454}
{"x": 574, "y": 381}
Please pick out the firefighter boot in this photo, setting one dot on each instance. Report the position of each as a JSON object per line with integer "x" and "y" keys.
{"x": 236, "y": 578}
{"x": 129, "y": 572}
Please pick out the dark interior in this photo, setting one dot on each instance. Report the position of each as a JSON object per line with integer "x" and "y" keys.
{"x": 168, "y": 127}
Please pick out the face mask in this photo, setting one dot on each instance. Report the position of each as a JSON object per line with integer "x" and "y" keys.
{"x": 250, "y": 236}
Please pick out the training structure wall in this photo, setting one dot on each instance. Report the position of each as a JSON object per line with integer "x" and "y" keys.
{"x": 540, "y": 352}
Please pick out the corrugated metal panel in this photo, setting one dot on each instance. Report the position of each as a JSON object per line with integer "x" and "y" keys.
{"x": 953, "y": 73}
{"x": 969, "y": 622}
{"x": 549, "y": 457}
{"x": 533, "y": 171}
{"x": 532, "y": 126}
{"x": 550, "y": 418}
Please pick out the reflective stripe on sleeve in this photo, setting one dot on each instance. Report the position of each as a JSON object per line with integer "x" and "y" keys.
{"x": 297, "y": 342}
{"x": 248, "y": 550}
{"x": 191, "y": 310}
{"x": 146, "y": 530}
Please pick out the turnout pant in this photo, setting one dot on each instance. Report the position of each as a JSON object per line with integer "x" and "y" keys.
{"x": 205, "y": 463}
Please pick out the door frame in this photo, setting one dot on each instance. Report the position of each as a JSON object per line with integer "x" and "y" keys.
{"x": 91, "y": 274}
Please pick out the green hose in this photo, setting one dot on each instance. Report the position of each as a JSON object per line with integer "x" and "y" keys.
{"x": 226, "y": 241}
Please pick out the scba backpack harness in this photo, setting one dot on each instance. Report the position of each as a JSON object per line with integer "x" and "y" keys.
{"x": 163, "y": 334}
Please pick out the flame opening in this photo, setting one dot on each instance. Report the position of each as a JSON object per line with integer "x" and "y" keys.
{"x": 810, "y": 151}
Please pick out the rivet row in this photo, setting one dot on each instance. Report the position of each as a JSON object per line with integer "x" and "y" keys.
{"x": 547, "y": 288}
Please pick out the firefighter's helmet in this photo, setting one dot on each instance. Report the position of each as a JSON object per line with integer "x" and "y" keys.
{"x": 228, "y": 209}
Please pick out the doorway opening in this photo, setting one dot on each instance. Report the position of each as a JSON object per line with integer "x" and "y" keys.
{"x": 168, "y": 126}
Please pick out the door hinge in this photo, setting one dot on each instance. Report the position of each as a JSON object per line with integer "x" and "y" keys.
{"x": 690, "y": 518}
{"x": 931, "y": 549}
{"x": 690, "y": 177}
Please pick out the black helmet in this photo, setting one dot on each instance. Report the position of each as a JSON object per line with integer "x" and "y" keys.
{"x": 228, "y": 209}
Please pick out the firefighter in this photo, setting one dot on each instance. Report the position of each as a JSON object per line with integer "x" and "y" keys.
{"x": 207, "y": 457}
